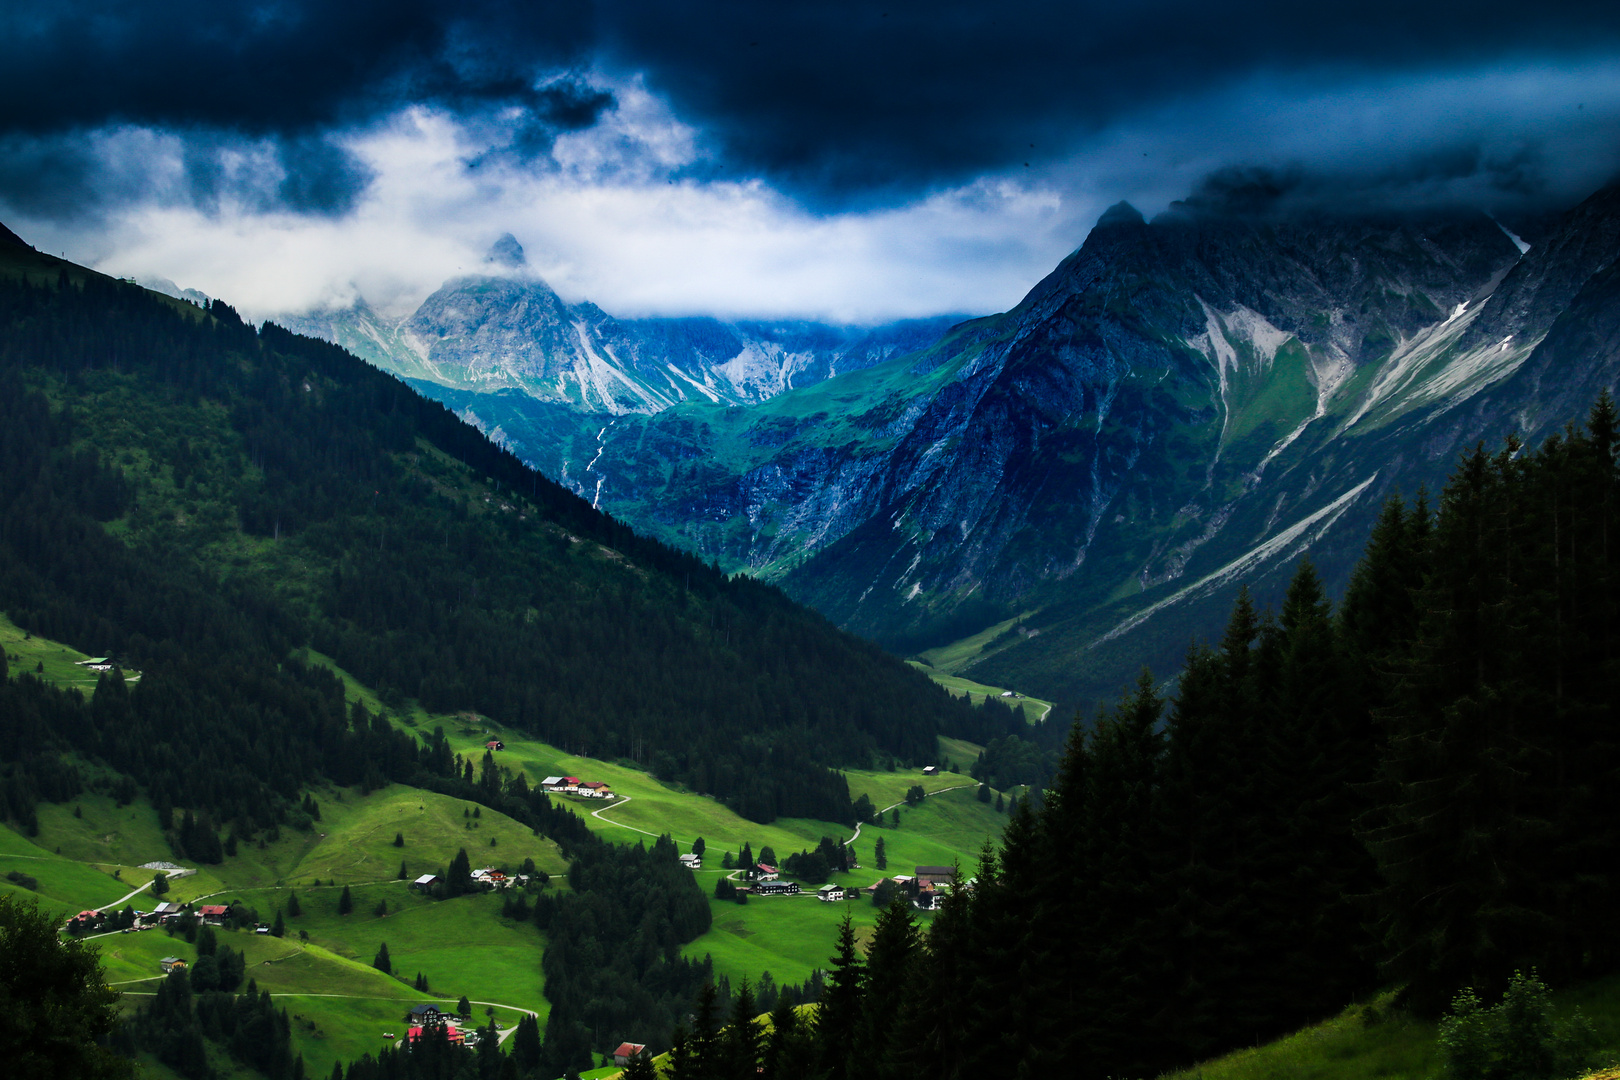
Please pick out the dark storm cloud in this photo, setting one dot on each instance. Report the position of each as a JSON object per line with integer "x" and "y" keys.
{"x": 863, "y": 95}
{"x": 1464, "y": 176}
{"x": 282, "y": 74}
{"x": 272, "y": 67}
{"x": 838, "y": 102}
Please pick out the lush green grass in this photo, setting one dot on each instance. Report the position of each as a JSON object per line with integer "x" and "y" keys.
{"x": 51, "y": 660}
{"x": 1370, "y": 1041}
{"x": 103, "y": 832}
{"x": 340, "y": 1007}
{"x": 463, "y": 946}
{"x": 949, "y": 659}
{"x": 358, "y": 842}
{"x": 62, "y": 882}
{"x": 1034, "y": 709}
{"x": 958, "y": 752}
{"x": 789, "y": 936}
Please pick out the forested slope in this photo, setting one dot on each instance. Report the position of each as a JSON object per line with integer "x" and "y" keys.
{"x": 1413, "y": 792}
{"x": 196, "y": 498}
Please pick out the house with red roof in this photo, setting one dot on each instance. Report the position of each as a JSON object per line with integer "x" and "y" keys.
{"x": 450, "y": 1033}
{"x": 626, "y": 1051}
{"x": 213, "y": 914}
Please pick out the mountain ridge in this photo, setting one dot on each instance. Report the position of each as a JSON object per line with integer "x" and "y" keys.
{"x": 1173, "y": 397}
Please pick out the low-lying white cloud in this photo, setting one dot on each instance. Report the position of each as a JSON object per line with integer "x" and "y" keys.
{"x": 630, "y": 214}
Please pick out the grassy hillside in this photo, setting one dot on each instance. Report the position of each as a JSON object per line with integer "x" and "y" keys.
{"x": 321, "y": 971}
{"x": 1372, "y": 1041}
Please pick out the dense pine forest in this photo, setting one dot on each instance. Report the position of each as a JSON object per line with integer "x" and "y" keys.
{"x": 1414, "y": 791}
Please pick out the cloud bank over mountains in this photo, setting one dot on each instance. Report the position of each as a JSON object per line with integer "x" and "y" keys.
{"x": 843, "y": 161}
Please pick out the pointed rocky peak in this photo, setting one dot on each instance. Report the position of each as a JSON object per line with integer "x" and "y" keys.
{"x": 1121, "y": 213}
{"x": 506, "y": 253}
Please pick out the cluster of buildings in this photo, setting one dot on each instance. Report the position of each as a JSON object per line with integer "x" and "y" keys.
{"x": 161, "y": 915}
{"x": 487, "y": 877}
{"x": 925, "y": 887}
{"x": 573, "y": 785}
{"x": 426, "y": 1020}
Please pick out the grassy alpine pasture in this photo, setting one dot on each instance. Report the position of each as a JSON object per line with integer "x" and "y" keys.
{"x": 1372, "y": 1041}
{"x": 340, "y": 1008}
{"x": 1033, "y": 709}
{"x": 462, "y": 946}
{"x": 949, "y": 827}
{"x": 340, "y": 1004}
{"x": 789, "y": 936}
{"x": 353, "y": 842}
{"x": 51, "y": 660}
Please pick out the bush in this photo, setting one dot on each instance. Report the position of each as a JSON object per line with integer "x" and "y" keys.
{"x": 1514, "y": 1040}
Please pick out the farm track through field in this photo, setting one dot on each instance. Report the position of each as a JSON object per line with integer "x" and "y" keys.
{"x": 503, "y": 1033}
{"x": 597, "y": 814}
{"x": 891, "y": 806}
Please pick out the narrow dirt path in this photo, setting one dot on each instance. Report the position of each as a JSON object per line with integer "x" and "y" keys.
{"x": 891, "y": 806}
{"x": 597, "y": 814}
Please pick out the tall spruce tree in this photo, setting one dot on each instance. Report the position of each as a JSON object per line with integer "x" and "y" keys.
{"x": 1125, "y": 951}
{"x": 891, "y": 962}
{"x": 839, "y": 1018}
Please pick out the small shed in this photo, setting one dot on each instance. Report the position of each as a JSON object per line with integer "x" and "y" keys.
{"x": 425, "y": 882}
{"x": 171, "y": 963}
{"x": 494, "y": 744}
{"x": 626, "y": 1051}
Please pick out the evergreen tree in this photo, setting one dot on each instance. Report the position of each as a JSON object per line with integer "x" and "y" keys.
{"x": 704, "y": 1042}
{"x": 381, "y": 961}
{"x": 742, "y": 1041}
{"x": 294, "y": 908}
{"x": 891, "y": 962}
{"x": 526, "y": 1044}
{"x": 459, "y": 878}
{"x": 399, "y": 839}
{"x": 839, "y": 1019}
{"x": 345, "y": 902}
{"x": 1126, "y": 951}
{"x": 640, "y": 1067}
{"x": 279, "y": 927}
{"x": 880, "y": 855}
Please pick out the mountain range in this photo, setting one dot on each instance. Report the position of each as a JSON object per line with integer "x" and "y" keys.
{"x": 505, "y": 329}
{"x": 1077, "y": 485}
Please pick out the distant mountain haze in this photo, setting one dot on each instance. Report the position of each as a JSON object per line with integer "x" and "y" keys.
{"x": 507, "y": 329}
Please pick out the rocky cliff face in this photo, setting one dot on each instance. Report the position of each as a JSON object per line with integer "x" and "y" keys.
{"x": 1178, "y": 407}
